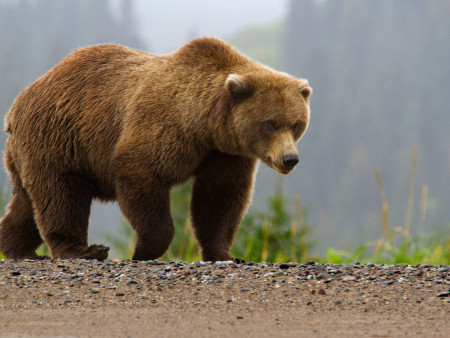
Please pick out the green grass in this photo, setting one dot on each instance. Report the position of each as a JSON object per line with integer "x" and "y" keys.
{"x": 278, "y": 235}
{"x": 397, "y": 244}
{"x": 433, "y": 249}
{"x": 183, "y": 247}
{"x": 275, "y": 235}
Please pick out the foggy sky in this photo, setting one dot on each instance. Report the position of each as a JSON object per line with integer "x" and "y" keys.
{"x": 166, "y": 25}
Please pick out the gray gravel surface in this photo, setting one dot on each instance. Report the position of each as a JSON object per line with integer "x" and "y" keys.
{"x": 153, "y": 298}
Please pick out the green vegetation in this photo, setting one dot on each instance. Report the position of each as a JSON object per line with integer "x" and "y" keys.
{"x": 277, "y": 235}
{"x": 183, "y": 246}
{"x": 399, "y": 248}
{"x": 379, "y": 91}
{"x": 380, "y": 88}
{"x": 397, "y": 245}
{"x": 274, "y": 235}
{"x": 43, "y": 250}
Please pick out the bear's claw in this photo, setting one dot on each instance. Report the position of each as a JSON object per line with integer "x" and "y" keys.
{"x": 95, "y": 251}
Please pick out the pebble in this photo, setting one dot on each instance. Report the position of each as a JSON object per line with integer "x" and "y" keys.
{"x": 58, "y": 277}
{"x": 444, "y": 294}
{"x": 348, "y": 278}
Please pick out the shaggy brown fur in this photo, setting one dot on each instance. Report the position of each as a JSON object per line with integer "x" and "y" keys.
{"x": 114, "y": 123}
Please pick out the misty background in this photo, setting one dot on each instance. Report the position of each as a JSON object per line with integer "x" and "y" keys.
{"x": 380, "y": 72}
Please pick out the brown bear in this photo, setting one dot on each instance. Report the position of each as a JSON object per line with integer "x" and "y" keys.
{"x": 114, "y": 123}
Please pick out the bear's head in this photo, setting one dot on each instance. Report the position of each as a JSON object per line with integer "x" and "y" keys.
{"x": 270, "y": 113}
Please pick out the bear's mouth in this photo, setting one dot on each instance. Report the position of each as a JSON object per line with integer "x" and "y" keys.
{"x": 284, "y": 171}
{"x": 279, "y": 169}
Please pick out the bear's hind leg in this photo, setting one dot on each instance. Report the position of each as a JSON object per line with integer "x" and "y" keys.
{"x": 220, "y": 196}
{"x": 19, "y": 236}
{"x": 62, "y": 207}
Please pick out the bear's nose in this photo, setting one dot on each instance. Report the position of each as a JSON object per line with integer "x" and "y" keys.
{"x": 289, "y": 161}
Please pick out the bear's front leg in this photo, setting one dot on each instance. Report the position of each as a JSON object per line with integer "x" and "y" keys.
{"x": 146, "y": 205}
{"x": 221, "y": 194}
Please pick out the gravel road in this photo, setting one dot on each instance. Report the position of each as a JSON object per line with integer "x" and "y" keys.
{"x": 179, "y": 299}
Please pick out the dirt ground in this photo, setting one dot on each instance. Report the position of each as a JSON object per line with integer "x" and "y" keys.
{"x": 177, "y": 299}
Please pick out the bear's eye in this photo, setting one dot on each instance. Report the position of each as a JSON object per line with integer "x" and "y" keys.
{"x": 271, "y": 125}
{"x": 295, "y": 127}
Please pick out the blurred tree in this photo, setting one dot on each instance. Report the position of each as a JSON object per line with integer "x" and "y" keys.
{"x": 380, "y": 72}
{"x": 36, "y": 35}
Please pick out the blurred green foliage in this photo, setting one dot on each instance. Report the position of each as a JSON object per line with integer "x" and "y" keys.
{"x": 433, "y": 249}
{"x": 277, "y": 235}
{"x": 397, "y": 244}
{"x": 183, "y": 247}
{"x": 273, "y": 235}
{"x": 380, "y": 80}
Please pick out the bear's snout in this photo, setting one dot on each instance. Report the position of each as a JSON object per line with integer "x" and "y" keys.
{"x": 290, "y": 161}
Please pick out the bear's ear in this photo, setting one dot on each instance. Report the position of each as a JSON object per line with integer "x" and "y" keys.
{"x": 305, "y": 89}
{"x": 238, "y": 86}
